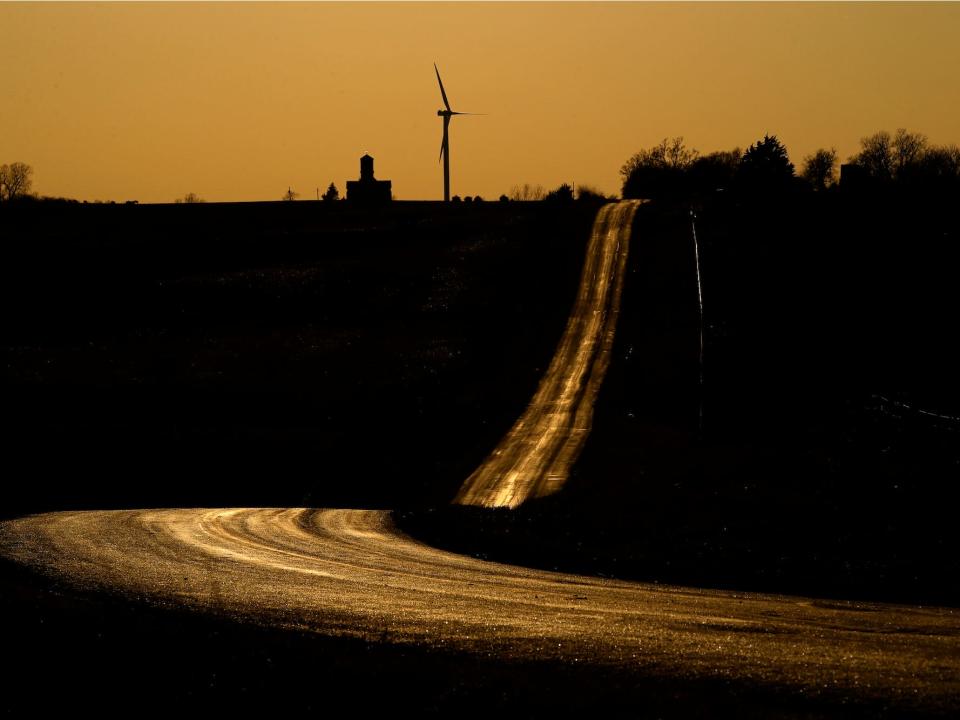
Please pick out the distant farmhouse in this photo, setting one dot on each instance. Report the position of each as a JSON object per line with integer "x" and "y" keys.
{"x": 368, "y": 189}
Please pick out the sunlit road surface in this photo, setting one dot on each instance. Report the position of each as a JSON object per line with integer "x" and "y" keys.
{"x": 534, "y": 458}
{"x": 351, "y": 572}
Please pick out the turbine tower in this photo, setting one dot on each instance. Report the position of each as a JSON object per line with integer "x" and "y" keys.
{"x": 445, "y": 144}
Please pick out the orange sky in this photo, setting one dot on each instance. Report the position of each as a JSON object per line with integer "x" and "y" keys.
{"x": 240, "y": 101}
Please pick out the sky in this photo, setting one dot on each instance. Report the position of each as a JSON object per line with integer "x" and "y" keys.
{"x": 241, "y": 101}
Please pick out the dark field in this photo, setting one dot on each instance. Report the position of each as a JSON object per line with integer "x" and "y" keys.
{"x": 295, "y": 354}
{"x": 273, "y": 354}
{"x": 828, "y": 460}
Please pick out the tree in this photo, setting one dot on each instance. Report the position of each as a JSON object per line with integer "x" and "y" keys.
{"x": 588, "y": 193}
{"x": 908, "y": 149}
{"x": 820, "y": 168}
{"x": 941, "y": 163}
{"x": 885, "y": 157}
{"x": 658, "y": 171}
{"x": 562, "y": 194}
{"x": 715, "y": 171}
{"x": 527, "y": 192}
{"x": 189, "y": 199}
{"x": 290, "y": 195}
{"x": 876, "y": 156}
{"x": 16, "y": 180}
{"x": 669, "y": 153}
{"x": 331, "y": 195}
{"x": 765, "y": 166}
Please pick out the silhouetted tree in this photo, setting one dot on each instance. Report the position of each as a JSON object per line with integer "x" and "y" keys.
{"x": 765, "y": 166}
{"x": 468, "y": 199}
{"x": 658, "y": 171}
{"x": 941, "y": 162}
{"x": 504, "y": 198}
{"x": 456, "y": 199}
{"x": 715, "y": 171}
{"x": 876, "y": 156}
{"x": 16, "y": 180}
{"x": 562, "y": 194}
{"x": 587, "y": 193}
{"x": 901, "y": 157}
{"x": 189, "y": 199}
{"x": 331, "y": 195}
{"x": 669, "y": 153}
{"x": 934, "y": 169}
{"x": 820, "y": 168}
{"x": 290, "y": 195}
{"x": 527, "y": 192}
{"x": 477, "y": 198}
{"x": 908, "y": 148}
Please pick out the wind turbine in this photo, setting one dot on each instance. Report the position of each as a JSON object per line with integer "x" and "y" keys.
{"x": 445, "y": 144}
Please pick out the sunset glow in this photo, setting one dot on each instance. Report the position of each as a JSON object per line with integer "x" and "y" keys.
{"x": 242, "y": 101}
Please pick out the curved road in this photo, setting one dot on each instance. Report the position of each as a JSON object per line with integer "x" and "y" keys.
{"x": 351, "y": 572}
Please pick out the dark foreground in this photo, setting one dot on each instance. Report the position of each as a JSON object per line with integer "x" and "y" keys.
{"x": 179, "y": 355}
{"x": 350, "y": 573}
{"x": 165, "y": 359}
{"x": 827, "y": 455}
{"x": 69, "y": 652}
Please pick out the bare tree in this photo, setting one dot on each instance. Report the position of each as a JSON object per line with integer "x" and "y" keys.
{"x": 672, "y": 154}
{"x": 820, "y": 168}
{"x": 16, "y": 180}
{"x": 659, "y": 170}
{"x": 907, "y": 149}
{"x": 876, "y": 155}
{"x": 941, "y": 162}
{"x": 527, "y": 192}
{"x": 189, "y": 199}
{"x": 891, "y": 157}
{"x": 290, "y": 195}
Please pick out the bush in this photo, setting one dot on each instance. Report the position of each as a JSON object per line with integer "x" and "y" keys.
{"x": 562, "y": 194}
{"x": 586, "y": 193}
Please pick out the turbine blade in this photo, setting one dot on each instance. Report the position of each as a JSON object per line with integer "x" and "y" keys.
{"x": 445, "y": 142}
{"x": 461, "y": 113}
{"x": 442, "y": 91}
{"x": 442, "y": 145}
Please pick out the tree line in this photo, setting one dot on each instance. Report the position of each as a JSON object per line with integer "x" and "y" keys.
{"x": 899, "y": 160}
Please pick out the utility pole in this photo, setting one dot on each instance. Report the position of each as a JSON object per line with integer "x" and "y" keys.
{"x": 696, "y": 257}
